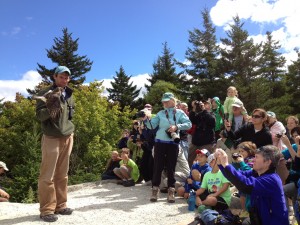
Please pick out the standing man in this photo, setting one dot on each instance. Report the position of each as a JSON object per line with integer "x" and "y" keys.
{"x": 57, "y": 143}
{"x": 204, "y": 135}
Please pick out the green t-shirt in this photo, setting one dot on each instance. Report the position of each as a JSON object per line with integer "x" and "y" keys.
{"x": 213, "y": 182}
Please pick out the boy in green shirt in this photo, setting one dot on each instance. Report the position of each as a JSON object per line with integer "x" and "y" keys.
{"x": 128, "y": 171}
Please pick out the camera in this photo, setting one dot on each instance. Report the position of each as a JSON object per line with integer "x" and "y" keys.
{"x": 198, "y": 106}
{"x": 173, "y": 135}
{"x": 236, "y": 155}
{"x": 278, "y": 135}
{"x": 136, "y": 138}
{"x": 141, "y": 113}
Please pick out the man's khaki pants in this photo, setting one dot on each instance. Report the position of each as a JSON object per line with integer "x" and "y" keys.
{"x": 53, "y": 179}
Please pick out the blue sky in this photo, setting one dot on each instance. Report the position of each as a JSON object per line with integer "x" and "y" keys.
{"x": 128, "y": 33}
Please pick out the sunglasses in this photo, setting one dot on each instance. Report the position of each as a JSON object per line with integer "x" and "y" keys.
{"x": 256, "y": 116}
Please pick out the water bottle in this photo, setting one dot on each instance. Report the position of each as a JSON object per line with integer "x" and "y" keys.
{"x": 192, "y": 200}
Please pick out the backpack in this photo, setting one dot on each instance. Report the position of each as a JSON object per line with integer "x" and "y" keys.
{"x": 208, "y": 216}
{"x": 226, "y": 217}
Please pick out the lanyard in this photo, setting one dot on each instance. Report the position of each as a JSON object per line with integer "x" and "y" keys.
{"x": 174, "y": 116}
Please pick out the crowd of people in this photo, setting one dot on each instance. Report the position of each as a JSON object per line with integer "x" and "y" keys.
{"x": 213, "y": 149}
{"x": 208, "y": 150}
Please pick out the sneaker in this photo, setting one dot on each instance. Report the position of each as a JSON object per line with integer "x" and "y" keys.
{"x": 128, "y": 183}
{"x": 244, "y": 214}
{"x": 171, "y": 195}
{"x": 49, "y": 218}
{"x": 154, "y": 196}
{"x": 65, "y": 211}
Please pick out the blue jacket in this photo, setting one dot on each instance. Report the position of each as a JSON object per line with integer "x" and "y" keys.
{"x": 202, "y": 169}
{"x": 163, "y": 123}
{"x": 196, "y": 184}
{"x": 266, "y": 193}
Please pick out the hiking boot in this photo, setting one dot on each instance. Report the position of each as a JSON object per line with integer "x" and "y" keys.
{"x": 65, "y": 211}
{"x": 154, "y": 196}
{"x": 171, "y": 195}
{"x": 49, "y": 218}
{"x": 128, "y": 183}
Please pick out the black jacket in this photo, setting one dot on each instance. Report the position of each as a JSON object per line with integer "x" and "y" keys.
{"x": 205, "y": 128}
{"x": 247, "y": 133}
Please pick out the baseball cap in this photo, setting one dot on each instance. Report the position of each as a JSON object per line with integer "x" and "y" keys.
{"x": 167, "y": 97}
{"x": 3, "y": 165}
{"x": 271, "y": 114}
{"x": 203, "y": 152}
{"x": 210, "y": 158}
{"x": 237, "y": 103}
{"x": 62, "y": 69}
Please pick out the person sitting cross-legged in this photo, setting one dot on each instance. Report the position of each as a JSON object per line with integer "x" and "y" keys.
{"x": 199, "y": 168}
{"x": 214, "y": 192}
{"x": 128, "y": 171}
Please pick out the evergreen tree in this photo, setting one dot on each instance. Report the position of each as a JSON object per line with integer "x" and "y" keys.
{"x": 271, "y": 73}
{"x": 63, "y": 52}
{"x": 207, "y": 81}
{"x": 122, "y": 91}
{"x": 293, "y": 85}
{"x": 240, "y": 61}
{"x": 164, "y": 69}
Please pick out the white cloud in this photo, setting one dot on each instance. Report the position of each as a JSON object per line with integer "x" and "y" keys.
{"x": 9, "y": 88}
{"x": 12, "y": 32}
{"x": 284, "y": 14}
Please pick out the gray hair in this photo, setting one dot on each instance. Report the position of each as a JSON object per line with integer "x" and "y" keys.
{"x": 270, "y": 152}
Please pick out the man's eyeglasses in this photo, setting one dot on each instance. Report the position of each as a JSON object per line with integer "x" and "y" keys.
{"x": 256, "y": 116}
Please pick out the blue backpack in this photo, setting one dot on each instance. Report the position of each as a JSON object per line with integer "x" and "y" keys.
{"x": 227, "y": 218}
{"x": 208, "y": 216}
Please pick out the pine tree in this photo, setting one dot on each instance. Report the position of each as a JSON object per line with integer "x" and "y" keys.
{"x": 63, "y": 52}
{"x": 164, "y": 69}
{"x": 122, "y": 91}
{"x": 293, "y": 84}
{"x": 207, "y": 81}
{"x": 240, "y": 61}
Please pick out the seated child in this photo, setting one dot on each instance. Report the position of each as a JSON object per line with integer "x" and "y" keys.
{"x": 128, "y": 171}
{"x": 199, "y": 168}
{"x": 244, "y": 161}
{"x": 113, "y": 162}
{"x": 214, "y": 192}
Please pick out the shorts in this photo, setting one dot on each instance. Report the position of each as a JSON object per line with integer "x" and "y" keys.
{"x": 221, "y": 203}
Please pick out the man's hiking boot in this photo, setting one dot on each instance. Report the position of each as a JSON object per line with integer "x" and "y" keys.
{"x": 171, "y": 195}
{"x": 154, "y": 196}
{"x": 65, "y": 211}
{"x": 128, "y": 183}
{"x": 49, "y": 218}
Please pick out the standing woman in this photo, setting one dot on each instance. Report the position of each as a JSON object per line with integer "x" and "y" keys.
{"x": 169, "y": 121}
